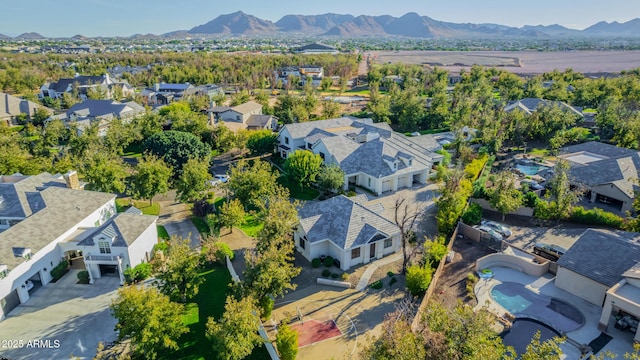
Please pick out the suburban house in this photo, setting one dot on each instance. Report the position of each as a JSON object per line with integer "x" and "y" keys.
{"x": 245, "y": 116}
{"x": 302, "y": 73}
{"x": 315, "y": 48}
{"x": 370, "y": 154}
{"x": 608, "y": 173}
{"x": 11, "y": 107}
{"x": 531, "y": 105}
{"x": 81, "y": 84}
{"x": 49, "y": 218}
{"x": 163, "y": 93}
{"x": 345, "y": 230}
{"x": 99, "y": 113}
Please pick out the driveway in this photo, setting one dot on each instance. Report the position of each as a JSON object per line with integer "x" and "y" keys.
{"x": 175, "y": 217}
{"x": 64, "y": 319}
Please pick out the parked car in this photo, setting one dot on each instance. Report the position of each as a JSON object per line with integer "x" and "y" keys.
{"x": 222, "y": 178}
{"x": 501, "y": 229}
{"x": 494, "y": 234}
{"x": 214, "y": 182}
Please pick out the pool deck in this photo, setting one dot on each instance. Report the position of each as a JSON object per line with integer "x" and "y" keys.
{"x": 620, "y": 343}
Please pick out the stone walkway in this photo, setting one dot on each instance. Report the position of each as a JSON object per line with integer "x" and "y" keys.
{"x": 373, "y": 266}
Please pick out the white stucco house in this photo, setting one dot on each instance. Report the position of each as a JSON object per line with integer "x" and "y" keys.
{"x": 370, "y": 154}
{"x": 345, "y": 230}
{"x": 244, "y": 116}
{"x": 49, "y": 218}
{"x": 99, "y": 113}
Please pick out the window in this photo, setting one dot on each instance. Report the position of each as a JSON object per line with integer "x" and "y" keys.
{"x": 105, "y": 247}
{"x": 388, "y": 243}
{"x": 355, "y": 253}
{"x": 410, "y": 162}
{"x": 321, "y": 155}
{"x": 286, "y": 140}
{"x": 302, "y": 243}
{"x": 238, "y": 118}
{"x": 308, "y": 145}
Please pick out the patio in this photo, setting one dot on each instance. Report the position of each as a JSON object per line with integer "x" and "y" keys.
{"x": 544, "y": 285}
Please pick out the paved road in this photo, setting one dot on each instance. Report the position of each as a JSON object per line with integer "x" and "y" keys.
{"x": 70, "y": 318}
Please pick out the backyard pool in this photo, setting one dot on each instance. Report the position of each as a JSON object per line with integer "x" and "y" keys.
{"x": 521, "y": 302}
{"x": 521, "y": 332}
{"x": 530, "y": 169}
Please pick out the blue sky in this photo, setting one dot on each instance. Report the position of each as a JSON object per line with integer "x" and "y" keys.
{"x": 127, "y": 17}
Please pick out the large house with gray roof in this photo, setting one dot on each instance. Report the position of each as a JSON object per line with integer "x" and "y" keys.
{"x": 48, "y": 218}
{"x": 531, "y": 105}
{"x": 370, "y": 154}
{"x": 345, "y": 230}
{"x": 608, "y": 173}
{"x": 99, "y": 113}
{"x": 11, "y": 107}
{"x": 82, "y": 84}
{"x": 244, "y": 116}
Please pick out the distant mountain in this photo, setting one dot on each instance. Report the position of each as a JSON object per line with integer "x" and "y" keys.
{"x": 311, "y": 23}
{"x": 603, "y": 28}
{"x": 30, "y": 36}
{"x": 2, "y": 36}
{"x": 79, "y": 37}
{"x": 144, "y": 37}
{"x": 552, "y": 30}
{"x": 237, "y": 23}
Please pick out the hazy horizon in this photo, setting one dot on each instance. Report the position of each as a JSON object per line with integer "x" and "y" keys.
{"x": 124, "y": 18}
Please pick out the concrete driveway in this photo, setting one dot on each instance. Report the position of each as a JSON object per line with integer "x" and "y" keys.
{"x": 61, "y": 320}
{"x": 175, "y": 217}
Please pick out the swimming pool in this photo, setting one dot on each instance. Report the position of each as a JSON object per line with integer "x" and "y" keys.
{"x": 530, "y": 169}
{"x": 521, "y": 302}
{"x": 521, "y": 332}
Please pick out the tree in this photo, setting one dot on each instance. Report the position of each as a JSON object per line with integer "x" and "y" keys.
{"x": 330, "y": 109}
{"x": 235, "y": 335}
{"x": 105, "y": 173}
{"x": 251, "y": 183}
{"x": 215, "y": 251}
{"x": 40, "y": 115}
{"x": 405, "y": 216}
{"x": 396, "y": 342}
{"x": 194, "y": 180}
{"x": 303, "y": 166}
{"x": 330, "y": 178}
{"x": 231, "y": 214}
{"x": 178, "y": 274}
{"x": 262, "y": 142}
{"x": 287, "y": 342}
{"x": 153, "y": 322}
{"x": 504, "y": 196}
{"x": 547, "y": 350}
{"x": 152, "y": 178}
{"x": 560, "y": 192}
{"x": 418, "y": 279}
{"x": 176, "y": 148}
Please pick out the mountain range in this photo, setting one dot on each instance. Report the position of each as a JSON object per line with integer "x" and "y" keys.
{"x": 408, "y": 25}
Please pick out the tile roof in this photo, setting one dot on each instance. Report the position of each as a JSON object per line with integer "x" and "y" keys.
{"x": 344, "y": 222}
{"x": 65, "y": 208}
{"x": 602, "y": 256}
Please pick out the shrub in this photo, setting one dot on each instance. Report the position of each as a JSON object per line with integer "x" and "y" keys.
{"x": 137, "y": 273}
{"x": 266, "y": 304}
{"x": 471, "y": 280}
{"x": 344, "y": 276}
{"x": 217, "y": 252}
{"x": 390, "y": 273}
{"x": 351, "y": 193}
{"x": 83, "y": 277}
{"x": 376, "y": 285}
{"x": 161, "y": 246}
{"x": 334, "y": 276}
{"x": 473, "y": 215}
{"x": 418, "y": 279}
{"x": 326, "y": 273}
{"x": 530, "y": 199}
{"x": 315, "y": 263}
{"x": 60, "y": 269}
{"x": 328, "y": 261}
{"x": 435, "y": 250}
{"x": 287, "y": 342}
{"x": 596, "y": 216}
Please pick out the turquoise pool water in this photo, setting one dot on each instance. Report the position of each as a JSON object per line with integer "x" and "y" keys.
{"x": 530, "y": 169}
{"x": 512, "y": 303}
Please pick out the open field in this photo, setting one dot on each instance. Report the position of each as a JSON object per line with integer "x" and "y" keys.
{"x": 521, "y": 62}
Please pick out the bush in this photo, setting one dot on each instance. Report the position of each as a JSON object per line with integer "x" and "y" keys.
{"x": 315, "y": 263}
{"x": 334, "y": 276}
{"x": 596, "y": 216}
{"x": 530, "y": 199}
{"x": 60, "y": 269}
{"x": 328, "y": 261}
{"x": 326, "y": 273}
{"x": 138, "y": 273}
{"x": 351, "y": 193}
{"x": 376, "y": 285}
{"x": 344, "y": 276}
{"x": 83, "y": 277}
{"x": 418, "y": 279}
{"x": 390, "y": 273}
{"x": 266, "y": 304}
{"x": 473, "y": 215}
{"x": 217, "y": 252}
{"x": 287, "y": 342}
{"x": 435, "y": 250}
{"x": 161, "y": 246}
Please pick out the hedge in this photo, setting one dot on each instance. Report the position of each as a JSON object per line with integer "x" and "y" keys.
{"x": 60, "y": 269}
{"x": 596, "y": 216}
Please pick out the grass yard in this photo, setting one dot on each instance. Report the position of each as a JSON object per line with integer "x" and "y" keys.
{"x": 134, "y": 150}
{"x": 251, "y": 225}
{"x": 295, "y": 192}
{"x": 122, "y": 204}
{"x": 162, "y": 233}
{"x": 208, "y": 303}
{"x": 201, "y": 225}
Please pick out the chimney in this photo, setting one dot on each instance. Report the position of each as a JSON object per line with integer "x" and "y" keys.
{"x": 71, "y": 178}
{"x": 156, "y": 87}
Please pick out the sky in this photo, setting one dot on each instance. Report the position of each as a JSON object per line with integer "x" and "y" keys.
{"x": 66, "y": 18}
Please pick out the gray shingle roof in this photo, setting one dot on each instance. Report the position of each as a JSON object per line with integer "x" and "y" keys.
{"x": 602, "y": 257}
{"x": 126, "y": 228}
{"x": 259, "y": 120}
{"x": 65, "y": 208}
{"x": 345, "y": 223}
{"x": 11, "y": 106}
{"x": 61, "y": 85}
{"x": 247, "y": 107}
{"x": 98, "y": 108}
{"x": 530, "y": 105}
{"x": 610, "y": 151}
{"x": 338, "y": 126}
{"x": 21, "y": 194}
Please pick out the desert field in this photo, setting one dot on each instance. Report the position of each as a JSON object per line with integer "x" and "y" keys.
{"x": 521, "y": 62}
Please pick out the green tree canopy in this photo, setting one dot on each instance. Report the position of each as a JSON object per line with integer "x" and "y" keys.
{"x": 235, "y": 335}
{"x": 504, "y": 196}
{"x": 261, "y": 142}
{"x": 231, "y": 214}
{"x": 287, "y": 342}
{"x": 176, "y": 148}
{"x": 193, "y": 183}
{"x": 251, "y": 182}
{"x": 151, "y": 178}
{"x": 330, "y": 178}
{"x": 303, "y": 166}
{"x": 178, "y": 273}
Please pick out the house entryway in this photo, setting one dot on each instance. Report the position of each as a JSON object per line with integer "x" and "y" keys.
{"x": 372, "y": 250}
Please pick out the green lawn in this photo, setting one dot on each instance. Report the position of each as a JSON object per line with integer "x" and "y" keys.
{"x": 201, "y": 225}
{"x": 17, "y": 128}
{"x": 122, "y": 204}
{"x": 295, "y": 192}
{"x": 208, "y": 303}
{"x": 251, "y": 226}
{"x": 134, "y": 150}
{"x": 162, "y": 233}
{"x": 539, "y": 152}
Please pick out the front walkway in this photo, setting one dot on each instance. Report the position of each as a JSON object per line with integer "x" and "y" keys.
{"x": 373, "y": 266}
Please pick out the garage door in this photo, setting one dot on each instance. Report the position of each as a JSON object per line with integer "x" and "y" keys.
{"x": 386, "y": 185}
{"x": 402, "y": 182}
{"x": 10, "y": 301}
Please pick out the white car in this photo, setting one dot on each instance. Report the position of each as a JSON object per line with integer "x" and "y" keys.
{"x": 221, "y": 178}
{"x": 501, "y": 229}
{"x": 494, "y": 234}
